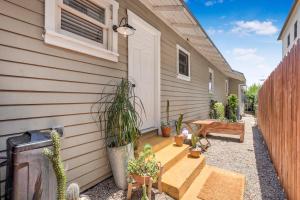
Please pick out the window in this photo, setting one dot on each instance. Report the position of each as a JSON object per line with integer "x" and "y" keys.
{"x": 226, "y": 87}
{"x": 288, "y": 40}
{"x": 183, "y": 64}
{"x": 211, "y": 81}
{"x": 295, "y": 30}
{"x": 84, "y": 26}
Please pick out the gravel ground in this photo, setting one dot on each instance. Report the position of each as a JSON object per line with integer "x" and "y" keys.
{"x": 250, "y": 158}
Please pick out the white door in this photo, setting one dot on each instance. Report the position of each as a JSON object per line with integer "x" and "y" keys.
{"x": 143, "y": 68}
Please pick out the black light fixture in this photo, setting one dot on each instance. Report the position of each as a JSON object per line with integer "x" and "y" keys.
{"x": 125, "y": 29}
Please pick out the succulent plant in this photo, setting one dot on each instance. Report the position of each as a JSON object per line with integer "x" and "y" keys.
{"x": 54, "y": 157}
{"x": 194, "y": 140}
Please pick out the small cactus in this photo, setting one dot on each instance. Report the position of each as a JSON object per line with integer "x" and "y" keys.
{"x": 73, "y": 192}
{"x": 54, "y": 157}
{"x": 179, "y": 124}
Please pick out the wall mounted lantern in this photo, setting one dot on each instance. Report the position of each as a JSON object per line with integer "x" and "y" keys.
{"x": 124, "y": 28}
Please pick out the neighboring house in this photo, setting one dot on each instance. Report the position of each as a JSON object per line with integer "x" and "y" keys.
{"x": 57, "y": 57}
{"x": 290, "y": 31}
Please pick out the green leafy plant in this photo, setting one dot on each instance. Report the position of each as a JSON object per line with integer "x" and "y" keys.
{"x": 219, "y": 110}
{"x": 232, "y": 107}
{"x": 252, "y": 97}
{"x": 145, "y": 164}
{"x": 194, "y": 140}
{"x": 119, "y": 113}
{"x": 179, "y": 124}
{"x": 167, "y": 123}
{"x": 212, "y": 111}
{"x": 54, "y": 157}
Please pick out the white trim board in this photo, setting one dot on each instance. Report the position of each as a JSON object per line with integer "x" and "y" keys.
{"x": 157, "y": 34}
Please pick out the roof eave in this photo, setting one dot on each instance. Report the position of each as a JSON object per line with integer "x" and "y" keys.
{"x": 287, "y": 19}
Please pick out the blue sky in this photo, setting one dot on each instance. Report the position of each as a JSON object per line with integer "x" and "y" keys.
{"x": 245, "y": 31}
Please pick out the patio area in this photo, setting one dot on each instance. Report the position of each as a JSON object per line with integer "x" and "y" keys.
{"x": 250, "y": 158}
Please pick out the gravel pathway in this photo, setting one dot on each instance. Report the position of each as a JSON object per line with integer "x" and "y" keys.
{"x": 250, "y": 158}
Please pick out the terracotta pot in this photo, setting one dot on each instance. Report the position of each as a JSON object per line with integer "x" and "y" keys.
{"x": 166, "y": 131}
{"x": 195, "y": 153}
{"x": 179, "y": 140}
{"x": 141, "y": 179}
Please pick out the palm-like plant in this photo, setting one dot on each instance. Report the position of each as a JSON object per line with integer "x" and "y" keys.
{"x": 119, "y": 114}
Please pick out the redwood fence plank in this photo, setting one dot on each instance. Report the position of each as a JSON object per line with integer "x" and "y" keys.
{"x": 279, "y": 120}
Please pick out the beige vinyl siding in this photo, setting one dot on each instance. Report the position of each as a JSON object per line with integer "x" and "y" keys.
{"x": 43, "y": 86}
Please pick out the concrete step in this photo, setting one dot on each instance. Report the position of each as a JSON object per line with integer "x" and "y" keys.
{"x": 171, "y": 154}
{"x": 177, "y": 180}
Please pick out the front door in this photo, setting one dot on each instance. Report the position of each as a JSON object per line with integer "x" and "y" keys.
{"x": 142, "y": 68}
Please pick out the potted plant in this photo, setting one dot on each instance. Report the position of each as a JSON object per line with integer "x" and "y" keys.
{"x": 120, "y": 120}
{"x": 179, "y": 138}
{"x": 144, "y": 167}
{"x": 165, "y": 127}
{"x": 195, "y": 151}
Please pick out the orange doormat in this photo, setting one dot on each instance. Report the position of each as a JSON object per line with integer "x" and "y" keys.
{"x": 222, "y": 185}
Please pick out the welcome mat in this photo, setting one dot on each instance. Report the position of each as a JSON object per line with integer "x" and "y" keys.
{"x": 222, "y": 185}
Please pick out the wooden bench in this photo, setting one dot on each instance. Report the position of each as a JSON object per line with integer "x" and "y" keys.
{"x": 212, "y": 126}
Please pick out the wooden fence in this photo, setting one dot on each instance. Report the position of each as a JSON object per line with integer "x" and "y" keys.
{"x": 279, "y": 120}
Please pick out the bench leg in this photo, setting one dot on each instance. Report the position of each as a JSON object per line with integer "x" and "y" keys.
{"x": 150, "y": 188}
{"x": 242, "y": 137}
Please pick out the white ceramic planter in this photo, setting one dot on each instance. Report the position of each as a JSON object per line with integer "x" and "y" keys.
{"x": 118, "y": 158}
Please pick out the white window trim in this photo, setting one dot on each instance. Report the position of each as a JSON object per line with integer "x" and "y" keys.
{"x": 182, "y": 76}
{"x": 213, "y": 81}
{"x": 226, "y": 87}
{"x": 54, "y": 36}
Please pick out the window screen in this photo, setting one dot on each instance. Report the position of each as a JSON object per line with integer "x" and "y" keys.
{"x": 81, "y": 27}
{"x": 183, "y": 63}
{"x": 88, "y": 8}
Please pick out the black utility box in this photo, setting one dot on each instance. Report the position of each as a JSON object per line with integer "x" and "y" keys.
{"x": 29, "y": 173}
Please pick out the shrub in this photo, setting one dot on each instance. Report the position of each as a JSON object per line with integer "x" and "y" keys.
{"x": 232, "y": 107}
{"x": 219, "y": 110}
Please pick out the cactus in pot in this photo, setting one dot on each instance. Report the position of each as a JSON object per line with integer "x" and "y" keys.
{"x": 165, "y": 126}
{"x": 195, "y": 151}
{"x": 73, "y": 191}
{"x": 179, "y": 138}
{"x": 54, "y": 157}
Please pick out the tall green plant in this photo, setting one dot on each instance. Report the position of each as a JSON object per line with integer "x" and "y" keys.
{"x": 119, "y": 113}
{"x": 232, "y": 107}
{"x": 179, "y": 124}
{"x": 54, "y": 157}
